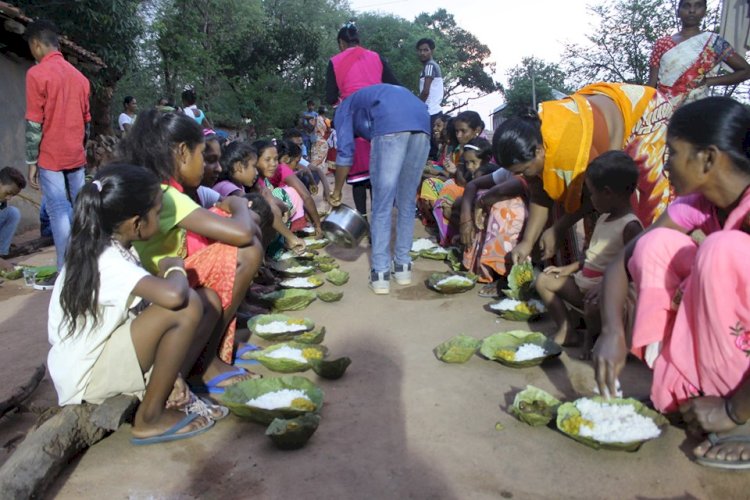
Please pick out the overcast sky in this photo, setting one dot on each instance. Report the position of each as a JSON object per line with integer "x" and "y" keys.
{"x": 511, "y": 29}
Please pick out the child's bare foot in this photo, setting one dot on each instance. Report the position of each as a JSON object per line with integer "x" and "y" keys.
{"x": 167, "y": 420}
{"x": 567, "y": 337}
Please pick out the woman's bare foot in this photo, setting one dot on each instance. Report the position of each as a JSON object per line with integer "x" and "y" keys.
{"x": 218, "y": 367}
{"x": 164, "y": 422}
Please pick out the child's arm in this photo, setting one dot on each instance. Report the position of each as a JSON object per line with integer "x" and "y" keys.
{"x": 631, "y": 231}
{"x": 323, "y": 181}
{"x": 307, "y": 200}
{"x": 239, "y": 230}
{"x": 169, "y": 291}
{"x": 563, "y": 271}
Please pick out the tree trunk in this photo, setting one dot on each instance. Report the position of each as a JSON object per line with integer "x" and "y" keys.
{"x": 101, "y": 112}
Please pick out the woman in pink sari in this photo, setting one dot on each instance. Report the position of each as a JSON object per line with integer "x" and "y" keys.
{"x": 685, "y": 64}
{"x": 692, "y": 322}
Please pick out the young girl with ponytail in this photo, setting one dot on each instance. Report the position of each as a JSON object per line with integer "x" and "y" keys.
{"x": 114, "y": 327}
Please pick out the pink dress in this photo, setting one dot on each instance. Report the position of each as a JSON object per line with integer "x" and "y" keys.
{"x": 283, "y": 171}
{"x": 694, "y": 301}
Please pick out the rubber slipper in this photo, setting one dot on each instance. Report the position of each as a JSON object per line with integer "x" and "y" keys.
{"x": 715, "y": 440}
{"x": 205, "y": 408}
{"x": 242, "y": 350}
{"x": 489, "y": 291}
{"x": 172, "y": 434}
{"x": 212, "y": 386}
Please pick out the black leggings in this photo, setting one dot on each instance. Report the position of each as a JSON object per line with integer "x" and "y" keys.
{"x": 359, "y": 193}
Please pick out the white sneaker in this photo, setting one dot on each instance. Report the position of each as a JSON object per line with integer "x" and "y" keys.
{"x": 402, "y": 273}
{"x": 380, "y": 282}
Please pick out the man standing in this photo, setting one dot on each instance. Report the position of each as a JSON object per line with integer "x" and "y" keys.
{"x": 398, "y": 127}
{"x": 430, "y": 86}
{"x": 57, "y": 121}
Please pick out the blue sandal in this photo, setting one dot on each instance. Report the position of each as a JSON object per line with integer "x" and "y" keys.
{"x": 172, "y": 434}
{"x": 241, "y": 351}
{"x": 212, "y": 386}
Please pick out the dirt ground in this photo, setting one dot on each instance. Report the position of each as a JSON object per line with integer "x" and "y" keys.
{"x": 399, "y": 424}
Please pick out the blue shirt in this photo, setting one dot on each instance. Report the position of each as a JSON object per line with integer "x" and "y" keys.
{"x": 375, "y": 111}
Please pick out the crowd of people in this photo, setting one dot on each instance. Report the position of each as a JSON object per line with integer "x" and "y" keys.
{"x": 604, "y": 190}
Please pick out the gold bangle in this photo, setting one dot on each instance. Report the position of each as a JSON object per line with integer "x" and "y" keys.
{"x": 175, "y": 268}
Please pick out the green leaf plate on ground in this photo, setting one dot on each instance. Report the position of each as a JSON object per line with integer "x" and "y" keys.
{"x": 256, "y": 324}
{"x": 330, "y": 295}
{"x": 337, "y": 277}
{"x": 530, "y": 310}
{"x": 568, "y": 424}
{"x": 534, "y": 406}
{"x": 286, "y": 365}
{"x": 290, "y": 299}
{"x": 237, "y": 395}
{"x": 459, "y": 349}
{"x": 294, "y": 433}
{"x": 462, "y": 282}
{"x": 315, "y": 243}
{"x": 502, "y": 346}
{"x": 331, "y": 369}
{"x": 435, "y": 253}
{"x": 311, "y": 337}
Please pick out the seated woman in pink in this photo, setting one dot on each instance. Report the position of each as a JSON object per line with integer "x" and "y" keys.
{"x": 692, "y": 323}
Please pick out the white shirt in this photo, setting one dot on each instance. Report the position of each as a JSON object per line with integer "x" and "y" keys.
{"x": 123, "y": 120}
{"x": 72, "y": 358}
{"x": 431, "y": 69}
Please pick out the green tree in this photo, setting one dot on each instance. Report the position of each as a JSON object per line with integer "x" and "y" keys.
{"x": 547, "y": 78}
{"x": 108, "y": 28}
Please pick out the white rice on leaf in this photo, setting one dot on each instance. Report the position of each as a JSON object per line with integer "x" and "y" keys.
{"x": 298, "y": 283}
{"x": 422, "y": 244}
{"x": 614, "y": 423}
{"x": 529, "y": 351}
{"x": 280, "y": 327}
{"x": 298, "y": 269}
{"x": 277, "y": 399}
{"x": 454, "y": 281}
{"x": 512, "y": 305}
{"x": 286, "y": 352}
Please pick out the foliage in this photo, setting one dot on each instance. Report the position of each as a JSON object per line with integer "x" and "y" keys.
{"x": 518, "y": 93}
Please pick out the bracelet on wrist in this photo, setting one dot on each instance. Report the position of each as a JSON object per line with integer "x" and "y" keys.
{"x": 177, "y": 269}
{"x": 729, "y": 409}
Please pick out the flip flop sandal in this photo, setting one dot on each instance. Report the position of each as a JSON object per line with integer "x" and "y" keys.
{"x": 715, "y": 440}
{"x": 205, "y": 408}
{"x": 489, "y": 291}
{"x": 242, "y": 350}
{"x": 173, "y": 434}
{"x": 212, "y": 386}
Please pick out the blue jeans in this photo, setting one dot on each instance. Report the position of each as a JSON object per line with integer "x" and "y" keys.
{"x": 396, "y": 165}
{"x": 9, "y": 218}
{"x": 59, "y": 191}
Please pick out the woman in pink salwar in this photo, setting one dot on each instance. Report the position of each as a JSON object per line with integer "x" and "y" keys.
{"x": 692, "y": 323}
{"x": 685, "y": 64}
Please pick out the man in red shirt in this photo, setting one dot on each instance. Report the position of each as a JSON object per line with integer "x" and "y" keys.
{"x": 57, "y": 121}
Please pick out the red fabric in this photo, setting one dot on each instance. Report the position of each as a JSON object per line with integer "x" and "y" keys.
{"x": 591, "y": 273}
{"x": 661, "y": 46}
{"x": 57, "y": 96}
{"x": 278, "y": 179}
{"x": 356, "y": 68}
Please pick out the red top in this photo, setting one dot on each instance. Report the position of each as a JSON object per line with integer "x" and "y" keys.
{"x": 278, "y": 179}
{"x": 57, "y": 96}
{"x": 356, "y": 68}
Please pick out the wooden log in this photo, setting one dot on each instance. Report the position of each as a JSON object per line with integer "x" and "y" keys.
{"x": 23, "y": 392}
{"x": 38, "y": 460}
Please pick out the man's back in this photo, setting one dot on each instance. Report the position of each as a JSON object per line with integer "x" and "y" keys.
{"x": 57, "y": 96}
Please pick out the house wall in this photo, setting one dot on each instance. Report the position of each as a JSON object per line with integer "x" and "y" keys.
{"x": 12, "y": 133}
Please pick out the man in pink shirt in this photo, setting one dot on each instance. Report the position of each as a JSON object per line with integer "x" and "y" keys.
{"x": 57, "y": 121}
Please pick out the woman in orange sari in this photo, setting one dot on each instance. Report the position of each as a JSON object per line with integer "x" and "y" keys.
{"x": 553, "y": 155}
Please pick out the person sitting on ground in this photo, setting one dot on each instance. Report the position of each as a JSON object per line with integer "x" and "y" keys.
{"x": 129, "y": 110}
{"x": 135, "y": 332}
{"x": 475, "y": 162}
{"x": 692, "y": 319}
{"x": 308, "y": 174}
{"x": 397, "y": 125}
{"x": 289, "y": 155}
{"x": 12, "y": 182}
{"x": 611, "y": 180}
{"x": 171, "y": 145}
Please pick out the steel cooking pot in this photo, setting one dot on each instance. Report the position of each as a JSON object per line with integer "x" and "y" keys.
{"x": 345, "y": 226}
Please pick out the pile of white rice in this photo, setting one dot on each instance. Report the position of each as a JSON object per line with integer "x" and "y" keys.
{"x": 277, "y": 399}
{"x": 298, "y": 269}
{"x": 287, "y": 255}
{"x": 512, "y": 304}
{"x": 438, "y": 250}
{"x": 422, "y": 244}
{"x": 614, "y": 423}
{"x": 298, "y": 283}
{"x": 308, "y": 230}
{"x": 279, "y": 327}
{"x": 454, "y": 280}
{"x": 286, "y": 352}
{"x": 529, "y": 351}
{"x": 313, "y": 241}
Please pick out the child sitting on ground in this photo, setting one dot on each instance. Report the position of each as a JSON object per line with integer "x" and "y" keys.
{"x": 115, "y": 328}
{"x": 610, "y": 181}
{"x": 11, "y": 183}
{"x": 289, "y": 156}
